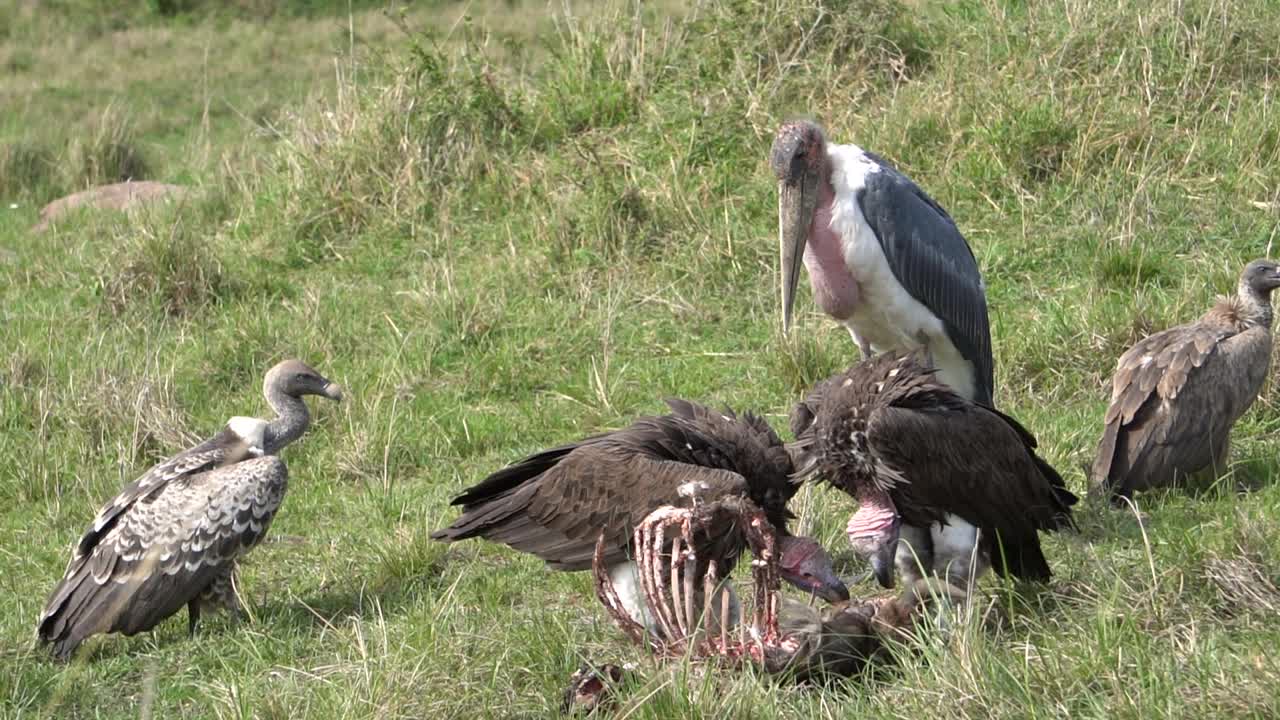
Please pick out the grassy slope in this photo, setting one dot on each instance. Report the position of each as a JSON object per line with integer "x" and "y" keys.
{"x": 510, "y": 242}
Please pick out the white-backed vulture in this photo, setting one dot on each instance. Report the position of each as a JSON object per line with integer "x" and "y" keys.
{"x": 1176, "y": 394}
{"x": 173, "y": 536}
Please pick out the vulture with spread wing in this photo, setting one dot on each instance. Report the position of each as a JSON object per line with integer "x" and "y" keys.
{"x": 173, "y": 536}
{"x": 558, "y": 503}
{"x": 912, "y": 452}
{"x": 1176, "y": 394}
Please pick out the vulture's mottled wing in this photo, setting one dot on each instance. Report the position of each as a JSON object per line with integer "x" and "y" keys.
{"x": 162, "y": 550}
{"x": 929, "y": 256}
{"x": 1175, "y": 396}
{"x": 222, "y": 449}
{"x": 973, "y": 463}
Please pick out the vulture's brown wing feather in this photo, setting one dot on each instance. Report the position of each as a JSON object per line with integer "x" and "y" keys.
{"x": 1201, "y": 379}
{"x": 162, "y": 550}
{"x": 555, "y": 504}
{"x": 597, "y": 488}
{"x": 966, "y": 460}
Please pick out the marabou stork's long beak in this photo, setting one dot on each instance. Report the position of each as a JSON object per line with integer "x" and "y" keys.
{"x": 797, "y": 201}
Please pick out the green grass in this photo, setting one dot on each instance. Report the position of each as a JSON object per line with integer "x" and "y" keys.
{"x": 509, "y": 229}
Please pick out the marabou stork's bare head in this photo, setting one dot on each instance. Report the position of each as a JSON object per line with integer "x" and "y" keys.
{"x": 799, "y": 160}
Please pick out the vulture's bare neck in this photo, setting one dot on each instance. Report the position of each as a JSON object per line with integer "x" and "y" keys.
{"x": 1254, "y": 308}
{"x": 292, "y": 419}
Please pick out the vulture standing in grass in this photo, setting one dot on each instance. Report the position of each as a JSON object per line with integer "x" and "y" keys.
{"x": 557, "y": 503}
{"x": 884, "y": 259}
{"x": 912, "y": 451}
{"x": 173, "y": 536}
{"x": 1176, "y": 394}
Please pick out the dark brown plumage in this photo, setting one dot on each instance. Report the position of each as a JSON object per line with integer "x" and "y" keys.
{"x": 912, "y": 451}
{"x": 1176, "y": 394}
{"x": 558, "y": 503}
{"x": 554, "y": 504}
{"x": 173, "y": 536}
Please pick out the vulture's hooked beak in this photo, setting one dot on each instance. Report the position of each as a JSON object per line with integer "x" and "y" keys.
{"x": 806, "y": 565}
{"x": 797, "y": 201}
{"x": 879, "y": 544}
{"x": 333, "y": 391}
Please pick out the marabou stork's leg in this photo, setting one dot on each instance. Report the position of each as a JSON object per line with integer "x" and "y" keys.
{"x": 863, "y": 344}
{"x": 608, "y": 595}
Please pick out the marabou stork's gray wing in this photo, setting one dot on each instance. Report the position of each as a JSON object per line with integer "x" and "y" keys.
{"x": 1175, "y": 396}
{"x": 929, "y": 256}
{"x": 162, "y": 550}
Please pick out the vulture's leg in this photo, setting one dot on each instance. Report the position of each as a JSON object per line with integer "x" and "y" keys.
{"x": 193, "y": 616}
{"x": 914, "y": 558}
{"x": 956, "y": 557}
{"x": 222, "y": 593}
{"x": 609, "y": 597}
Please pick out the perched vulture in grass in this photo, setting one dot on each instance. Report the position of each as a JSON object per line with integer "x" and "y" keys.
{"x": 1176, "y": 394}
{"x": 173, "y": 536}
{"x": 557, "y": 503}
{"x": 913, "y": 452}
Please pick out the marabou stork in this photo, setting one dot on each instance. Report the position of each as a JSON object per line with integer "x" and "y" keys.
{"x": 887, "y": 262}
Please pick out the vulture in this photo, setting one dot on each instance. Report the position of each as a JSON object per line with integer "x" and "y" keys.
{"x": 916, "y": 454}
{"x": 559, "y": 503}
{"x": 173, "y": 536}
{"x": 884, "y": 259}
{"x": 1176, "y": 394}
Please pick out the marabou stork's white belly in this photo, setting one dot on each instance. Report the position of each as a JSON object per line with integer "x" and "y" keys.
{"x": 886, "y": 316}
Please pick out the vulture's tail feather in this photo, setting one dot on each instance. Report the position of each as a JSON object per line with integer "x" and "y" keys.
{"x": 81, "y": 607}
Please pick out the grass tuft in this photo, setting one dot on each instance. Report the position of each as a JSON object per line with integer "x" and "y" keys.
{"x": 168, "y": 262}
{"x": 504, "y": 226}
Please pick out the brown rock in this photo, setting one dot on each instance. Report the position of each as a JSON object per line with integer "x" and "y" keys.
{"x": 117, "y": 196}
